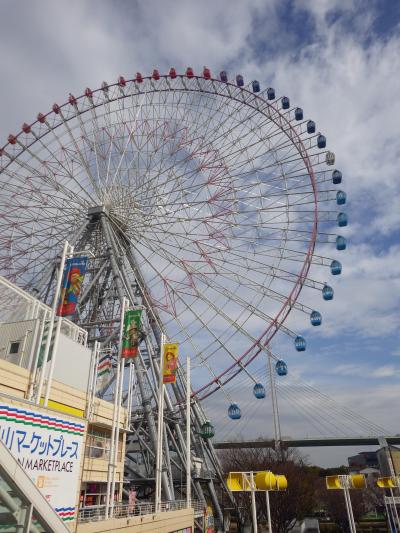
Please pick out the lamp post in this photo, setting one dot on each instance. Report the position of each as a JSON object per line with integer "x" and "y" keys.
{"x": 391, "y": 482}
{"x": 261, "y": 481}
{"x": 344, "y": 482}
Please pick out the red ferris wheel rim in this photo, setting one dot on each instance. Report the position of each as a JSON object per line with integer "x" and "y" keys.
{"x": 260, "y": 105}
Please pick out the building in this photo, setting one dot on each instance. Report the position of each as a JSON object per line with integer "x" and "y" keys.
{"x": 389, "y": 460}
{"x": 59, "y": 432}
{"x": 363, "y": 460}
{"x": 385, "y": 461}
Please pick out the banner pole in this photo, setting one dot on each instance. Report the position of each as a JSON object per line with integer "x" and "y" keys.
{"x": 114, "y": 429}
{"x": 268, "y": 511}
{"x": 159, "y": 428}
{"x": 349, "y": 510}
{"x": 51, "y": 324}
{"x": 130, "y": 392}
{"x": 253, "y": 503}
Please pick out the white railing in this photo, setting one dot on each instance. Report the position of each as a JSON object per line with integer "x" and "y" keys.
{"x": 16, "y": 305}
{"x": 95, "y": 513}
{"x": 392, "y": 500}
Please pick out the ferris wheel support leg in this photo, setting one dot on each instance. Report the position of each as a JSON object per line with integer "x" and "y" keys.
{"x": 148, "y": 412}
{"x": 181, "y": 449}
{"x": 168, "y": 463}
{"x": 188, "y": 454}
{"x": 275, "y": 410}
{"x": 215, "y": 502}
{"x": 180, "y": 397}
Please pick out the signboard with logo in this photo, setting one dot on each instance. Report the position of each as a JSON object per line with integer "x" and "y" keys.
{"x": 49, "y": 448}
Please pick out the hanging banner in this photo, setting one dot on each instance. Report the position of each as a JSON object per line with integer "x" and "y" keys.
{"x": 104, "y": 367}
{"x": 170, "y": 362}
{"x": 74, "y": 273}
{"x": 132, "y": 334}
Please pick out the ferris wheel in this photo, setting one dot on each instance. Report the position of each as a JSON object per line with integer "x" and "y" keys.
{"x": 216, "y": 194}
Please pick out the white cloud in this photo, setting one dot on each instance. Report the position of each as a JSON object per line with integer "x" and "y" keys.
{"x": 345, "y": 79}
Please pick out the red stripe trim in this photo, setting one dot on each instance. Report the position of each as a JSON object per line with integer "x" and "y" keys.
{"x": 41, "y": 420}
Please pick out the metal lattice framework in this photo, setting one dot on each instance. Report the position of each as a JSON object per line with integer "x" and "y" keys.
{"x": 214, "y": 189}
{"x": 199, "y": 200}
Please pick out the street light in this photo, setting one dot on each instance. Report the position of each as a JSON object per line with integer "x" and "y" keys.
{"x": 262, "y": 481}
{"x": 344, "y": 482}
{"x": 390, "y": 482}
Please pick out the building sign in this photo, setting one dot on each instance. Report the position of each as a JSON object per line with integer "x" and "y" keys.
{"x": 49, "y": 449}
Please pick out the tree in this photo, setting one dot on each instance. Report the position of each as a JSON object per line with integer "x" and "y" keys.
{"x": 286, "y": 507}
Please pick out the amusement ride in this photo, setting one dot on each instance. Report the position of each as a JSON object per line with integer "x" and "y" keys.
{"x": 199, "y": 200}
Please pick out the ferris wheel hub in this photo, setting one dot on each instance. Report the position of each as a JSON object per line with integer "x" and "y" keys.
{"x": 97, "y": 210}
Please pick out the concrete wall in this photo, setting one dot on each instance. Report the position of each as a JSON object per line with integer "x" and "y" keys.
{"x": 72, "y": 364}
{"x": 153, "y": 523}
{"x": 22, "y": 332}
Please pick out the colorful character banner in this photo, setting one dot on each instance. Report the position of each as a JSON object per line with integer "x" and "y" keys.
{"x": 74, "y": 273}
{"x": 170, "y": 362}
{"x": 132, "y": 334}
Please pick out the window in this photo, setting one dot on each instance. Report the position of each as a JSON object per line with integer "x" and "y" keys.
{"x": 14, "y": 348}
{"x": 98, "y": 445}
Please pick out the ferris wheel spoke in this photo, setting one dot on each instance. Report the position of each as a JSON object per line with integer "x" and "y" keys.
{"x": 44, "y": 175}
{"x": 223, "y": 290}
{"x": 204, "y": 147}
{"x": 77, "y": 152}
{"x": 184, "y": 331}
{"x": 257, "y": 265}
{"x": 216, "y": 190}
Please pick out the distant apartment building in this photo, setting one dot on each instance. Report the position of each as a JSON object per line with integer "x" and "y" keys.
{"x": 387, "y": 455}
{"x": 363, "y": 460}
{"x": 376, "y": 461}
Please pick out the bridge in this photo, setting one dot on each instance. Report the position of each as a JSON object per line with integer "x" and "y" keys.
{"x": 307, "y": 442}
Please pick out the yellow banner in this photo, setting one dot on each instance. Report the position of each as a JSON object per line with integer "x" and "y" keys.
{"x": 170, "y": 362}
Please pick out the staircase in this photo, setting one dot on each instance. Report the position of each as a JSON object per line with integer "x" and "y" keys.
{"x": 22, "y": 506}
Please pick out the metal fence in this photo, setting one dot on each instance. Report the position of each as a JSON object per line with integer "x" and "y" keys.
{"x": 95, "y": 513}
{"x": 18, "y": 306}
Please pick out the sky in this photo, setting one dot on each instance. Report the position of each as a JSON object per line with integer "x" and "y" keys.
{"x": 337, "y": 59}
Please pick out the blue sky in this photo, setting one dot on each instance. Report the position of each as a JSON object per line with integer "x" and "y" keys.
{"x": 338, "y": 59}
